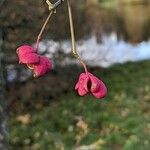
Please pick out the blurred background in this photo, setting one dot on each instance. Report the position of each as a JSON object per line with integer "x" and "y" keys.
{"x": 113, "y": 37}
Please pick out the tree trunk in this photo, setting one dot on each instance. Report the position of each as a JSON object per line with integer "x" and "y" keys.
{"x": 3, "y": 114}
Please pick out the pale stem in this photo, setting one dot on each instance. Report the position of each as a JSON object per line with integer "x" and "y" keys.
{"x": 42, "y": 30}
{"x": 74, "y": 50}
{"x": 52, "y": 8}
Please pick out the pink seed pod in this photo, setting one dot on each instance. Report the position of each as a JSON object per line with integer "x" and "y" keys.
{"x": 43, "y": 67}
{"x": 27, "y": 55}
{"x": 87, "y": 82}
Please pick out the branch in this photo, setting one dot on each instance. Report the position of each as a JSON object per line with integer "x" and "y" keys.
{"x": 53, "y": 6}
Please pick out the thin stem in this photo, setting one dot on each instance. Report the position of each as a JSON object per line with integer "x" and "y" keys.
{"x": 52, "y": 9}
{"x": 42, "y": 30}
{"x": 71, "y": 28}
{"x": 74, "y": 50}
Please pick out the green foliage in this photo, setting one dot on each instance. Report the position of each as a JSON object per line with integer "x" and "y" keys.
{"x": 121, "y": 121}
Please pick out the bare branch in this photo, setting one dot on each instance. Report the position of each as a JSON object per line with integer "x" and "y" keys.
{"x": 53, "y": 6}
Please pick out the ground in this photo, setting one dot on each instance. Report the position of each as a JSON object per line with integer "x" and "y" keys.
{"x": 119, "y": 122}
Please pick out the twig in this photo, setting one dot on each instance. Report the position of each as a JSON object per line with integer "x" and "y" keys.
{"x": 42, "y": 30}
{"x": 52, "y": 9}
{"x": 74, "y": 50}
